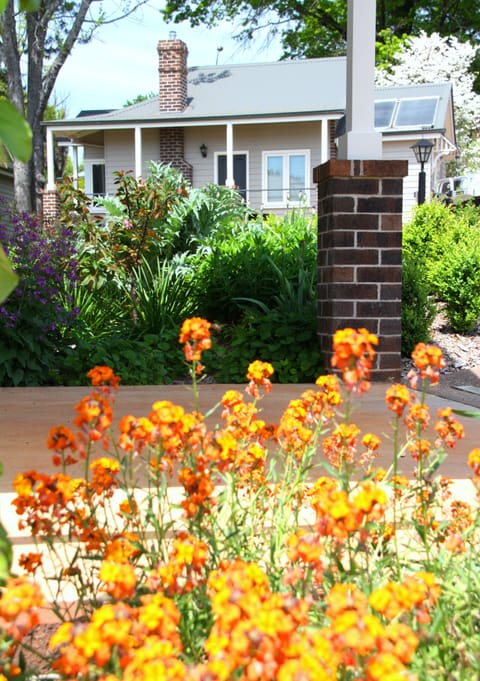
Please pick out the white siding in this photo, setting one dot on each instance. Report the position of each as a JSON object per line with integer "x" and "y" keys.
{"x": 93, "y": 153}
{"x": 119, "y": 155}
{"x": 150, "y": 148}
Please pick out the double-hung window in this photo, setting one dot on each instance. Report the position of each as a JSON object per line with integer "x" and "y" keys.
{"x": 94, "y": 177}
{"x": 285, "y": 178}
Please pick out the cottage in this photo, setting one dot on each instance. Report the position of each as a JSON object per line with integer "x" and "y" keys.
{"x": 260, "y": 128}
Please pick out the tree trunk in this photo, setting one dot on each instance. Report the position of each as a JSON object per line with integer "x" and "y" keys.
{"x": 21, "y": 186}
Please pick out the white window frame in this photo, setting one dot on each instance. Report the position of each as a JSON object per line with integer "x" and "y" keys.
{"x": 88, "y": 170}
{"x": 286, "y": 199}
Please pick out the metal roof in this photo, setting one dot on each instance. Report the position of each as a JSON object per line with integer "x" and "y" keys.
{"x": 276, "y": 89}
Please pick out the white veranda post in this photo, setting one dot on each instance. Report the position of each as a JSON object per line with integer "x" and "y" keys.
{"x": 360, "y": 141}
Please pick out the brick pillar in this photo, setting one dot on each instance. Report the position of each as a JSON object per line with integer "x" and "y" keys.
{"x": 50, "y": 207}
{"x": 360, "y": 255}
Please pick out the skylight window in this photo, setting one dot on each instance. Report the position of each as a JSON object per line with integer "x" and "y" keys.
{"x": 384, "y": 112}
{"x": 412, "y": 112}
{"x": 405, "y": 113}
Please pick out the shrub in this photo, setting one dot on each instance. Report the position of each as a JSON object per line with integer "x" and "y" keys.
{"x": 289, "y": 341}
{"x": 151, "y": 360}
{"x": 458, "y": 284}
{"x": 245, "y": 265}
{"x": 32, "y": 317}
{"x": 445, "y": 243}
{"x": 418, "y": 308}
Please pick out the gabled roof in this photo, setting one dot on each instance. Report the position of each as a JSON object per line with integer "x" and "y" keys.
{"x": 286, "y": 88}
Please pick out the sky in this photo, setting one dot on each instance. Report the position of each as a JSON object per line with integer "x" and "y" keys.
{"x": 121, "y": 62}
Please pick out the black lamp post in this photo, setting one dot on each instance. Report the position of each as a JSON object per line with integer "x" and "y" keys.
{"x": 422, "y": 150}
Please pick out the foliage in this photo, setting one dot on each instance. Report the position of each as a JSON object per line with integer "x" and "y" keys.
{"x": 287, "y": 340}
{"x": 8, "y": 278}
{"x": 431, "y": 58}
{"x": 418, "y": 308}
{"x": 32, "y": 317}
{"x": 35, "y": 45}
{"x": 153, "y": 359}
{"x": 165, "y": 251}
{"x": 140, "y": 98}
{"x": 266, "y": 561}
{"x": 458, "y": 282}
{"x": 445, "y": 242}
{"x": 317, "y": 28}
{"x": 163, "y": 295}
{"x": 253, "y": 262}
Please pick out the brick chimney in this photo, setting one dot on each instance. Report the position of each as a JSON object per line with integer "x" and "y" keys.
{"x": 172, "y": 68}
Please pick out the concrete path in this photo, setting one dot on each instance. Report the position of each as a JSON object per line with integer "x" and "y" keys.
{"x": 27, "y": 414}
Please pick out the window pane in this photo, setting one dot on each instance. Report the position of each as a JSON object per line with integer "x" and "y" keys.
{"x": 416, "y": 112}
{"x": 383, "y": 114}
{"x": 98, "y": 179}
{"x": 296, "y": 176}
{"x": 275, "y": 178}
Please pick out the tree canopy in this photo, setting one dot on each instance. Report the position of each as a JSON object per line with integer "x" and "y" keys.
{"x": 318, "y": 28}
{"x": 34, "y": 45}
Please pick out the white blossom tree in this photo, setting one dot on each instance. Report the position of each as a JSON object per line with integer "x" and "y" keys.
{"x": 434, "y": 59}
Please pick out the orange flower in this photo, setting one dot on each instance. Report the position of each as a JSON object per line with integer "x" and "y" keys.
{"x": 103, "y": 375}
{"x": 119, "y": 578}
{"x": 397, "y": 398}
{"x": 428, "y": 360}
{"x": 195, "y": 337}
{"x": 104, "y": 472}
{"x": 449, "y": 428}
{"x": 61, "y": 438}
{"x": 135, "y": 433}
{"x": 30, "y": 562}
{"x": 340, "y": 447}
{"x": 259, "y": 375}
{"x": 353, "y": 356}
{"x": 94, "y": 416}
{"x": 418, "y": 417}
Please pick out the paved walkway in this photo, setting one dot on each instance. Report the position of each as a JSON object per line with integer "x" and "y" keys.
{"x": 27, "y": 414}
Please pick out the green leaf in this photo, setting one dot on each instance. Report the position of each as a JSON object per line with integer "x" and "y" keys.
{"x": 29, "y": 5}
{"x": 15, "y": 133}
{"x": 8, "y": 278}
{"x": 5, "y": 555}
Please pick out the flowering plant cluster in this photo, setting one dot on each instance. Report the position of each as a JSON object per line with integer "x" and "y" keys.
{"x": 251, "y": 550}
{"x": 34, "y": 313}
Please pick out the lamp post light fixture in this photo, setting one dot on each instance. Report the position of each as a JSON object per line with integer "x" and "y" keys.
{"x": 203, "y": 150}
{"x": 422, "y": 150}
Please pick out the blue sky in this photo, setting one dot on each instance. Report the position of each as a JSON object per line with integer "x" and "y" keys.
{"x": 121, "y": 62}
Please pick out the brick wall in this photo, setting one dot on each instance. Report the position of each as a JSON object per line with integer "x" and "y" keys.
{"x": 360, "y": 254}
{"x": 172, "y": 150}
{"x": 172, "y": 68}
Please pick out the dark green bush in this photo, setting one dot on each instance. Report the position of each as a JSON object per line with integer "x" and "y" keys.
{"x": 151, "y": 360}
{"x": 288, "y": 342}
